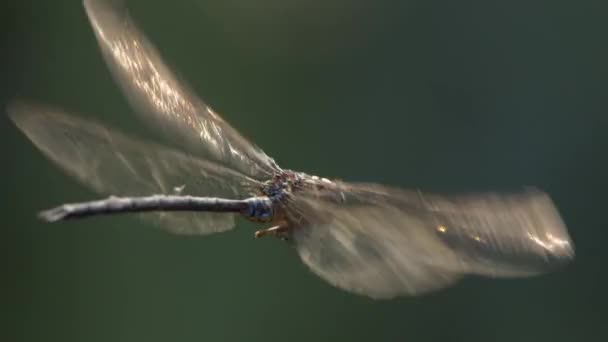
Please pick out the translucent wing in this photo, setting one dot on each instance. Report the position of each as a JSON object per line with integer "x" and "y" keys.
{"x": 114, "y": 164}
{"x": 159, "y": 97}
{"x": 383, "y": 242}
{"x": 374, "y": 251}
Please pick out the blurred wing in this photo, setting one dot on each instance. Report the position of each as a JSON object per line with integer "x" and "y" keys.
{"x": 501, "y": 235}
{"x": 159, "y": 97}
{"x": 383, "y": 243}
{"x": 111, "y": 163}
{"x": 373, "y": 251}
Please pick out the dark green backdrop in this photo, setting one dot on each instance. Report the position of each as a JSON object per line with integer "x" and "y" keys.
{"x": 441, "y": 95}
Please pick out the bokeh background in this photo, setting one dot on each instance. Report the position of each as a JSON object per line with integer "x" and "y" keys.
{"x": 439, "y": 95}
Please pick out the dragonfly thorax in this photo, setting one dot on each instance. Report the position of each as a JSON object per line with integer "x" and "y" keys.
{"x": 288, "y": 182}
{"x": 282, "y": 184}
{"x": 276, "y": 191}
{"x": 268, "y": 208}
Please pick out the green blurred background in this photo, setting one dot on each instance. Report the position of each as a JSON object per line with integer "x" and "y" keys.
{"x": 441, "y": 95}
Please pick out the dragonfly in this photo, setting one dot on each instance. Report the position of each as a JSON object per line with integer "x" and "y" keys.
{"x": 369, "y": 239}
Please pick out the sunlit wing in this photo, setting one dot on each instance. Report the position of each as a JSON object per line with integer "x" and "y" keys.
{"x": 162, "y": 99}
{"x": 382, "y": 242}
{"x": 111, "y": 163}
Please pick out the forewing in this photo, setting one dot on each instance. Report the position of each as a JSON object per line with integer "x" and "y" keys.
{"x": 111, "y": 163}
{"x": 162, "y": 99}
{"x": 384, "y": 242}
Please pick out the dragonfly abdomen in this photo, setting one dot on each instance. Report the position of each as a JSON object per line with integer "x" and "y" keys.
{"x": 118, "y": 205}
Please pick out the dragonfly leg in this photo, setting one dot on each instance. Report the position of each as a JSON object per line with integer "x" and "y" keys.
{"x": 278, "y": 231}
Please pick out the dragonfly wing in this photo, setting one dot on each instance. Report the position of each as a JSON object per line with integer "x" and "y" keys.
{"x": 163, "y": 99}
{"x": 501, "y": 235}
{"x": 373, "y": 251}
{"x": 384, "y": 242}
{"x": 111, "y": 163}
